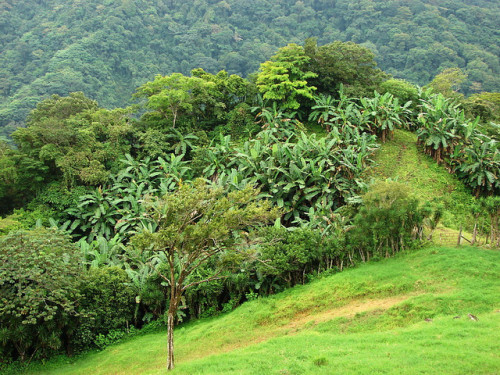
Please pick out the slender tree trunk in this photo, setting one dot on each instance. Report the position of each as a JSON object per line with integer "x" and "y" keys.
{"x": 474, "y": 234}
{"x": 492, "y": 231}
{"x": 175, "y": 118}
{"x": 170, "y": 344}
{"x": 429, "y": 237}
{"x": 459, "y": 236}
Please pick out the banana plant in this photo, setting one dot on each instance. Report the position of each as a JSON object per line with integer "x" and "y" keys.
{"x": 217, "y": 157}
{"x": 174, "y": 170}
{"x": 281, "y": 125}
{"x": 96, "y": 214}
{"x": 298, "y": 175}
{"x": 480, "y": 166}
{"x": 341, "y": 114}
{"x": 181, "y": 143}
{"x": 103, "y": 252}
{"x": 382, "y": 114}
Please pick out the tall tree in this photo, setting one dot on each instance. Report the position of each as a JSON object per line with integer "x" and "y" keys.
{"x": 195, "y": 225}
{"x": 448, "y": 82}
{"x": 172, "y": 96}
{"x": 284, "y": 79}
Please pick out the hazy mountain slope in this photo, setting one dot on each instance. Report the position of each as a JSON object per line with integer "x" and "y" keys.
{"x": 108, "y": 48}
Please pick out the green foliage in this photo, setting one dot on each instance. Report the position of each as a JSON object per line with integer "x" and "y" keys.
{"x": 348, "y": 64}
{"x": 20, "y": 177}
{"x": 201, "y": 101}
{"x": 401, "y": 160}
{"x": 108, "y": 50}
{"x": 108, "y": 301}
{"x": 450, "y": 138}
{"x": 241, "y": 122}
{"x": 171, "y": 96}
{"x": 103, "y": 252}
{"x": 292, "y": 256}
{"x": 401, "y": 89}
{"x": 342, "y": 114}
{"x": 196, "y": 225}
{"x": 382, "y": 114}
{"x": 487, "y": 106}
{"x": 448, "y": 82}
{"x": 39, "y": 292}
{"x": 479, "y": 166}
{"x": 284, "y": 79}
{"x": 389, "y": 220}
{"x": 115, "y": 208}
{"x": 216, "y": 215}
{"x": 74, "y": 140}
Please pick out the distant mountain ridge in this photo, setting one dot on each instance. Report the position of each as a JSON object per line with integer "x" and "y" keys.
{"x": 108, "y": 48}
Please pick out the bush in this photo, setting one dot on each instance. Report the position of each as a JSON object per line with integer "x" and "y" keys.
{"x": 389, "y": 220}
{"x": 109, "y": 304}
{"x": 289, "y": 255}
{"x": 39, "y": 278}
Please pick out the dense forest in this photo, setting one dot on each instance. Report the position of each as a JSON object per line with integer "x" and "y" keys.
{"x": 107, "y": 48}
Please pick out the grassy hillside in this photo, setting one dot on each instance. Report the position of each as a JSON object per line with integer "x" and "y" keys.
{"x": 406, "y": 315}
{"x": 399, "y": 159}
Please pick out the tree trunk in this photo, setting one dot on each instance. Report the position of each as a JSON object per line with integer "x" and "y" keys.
{"x": 170, "y": 328}
{"x": 459, "y": 236}
{"x": 474, "y": 234}
{"x": 174, "y": 112}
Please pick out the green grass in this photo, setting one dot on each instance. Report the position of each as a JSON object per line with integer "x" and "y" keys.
{"x": 370, "y": 319}
{"x": 399, "y": 159}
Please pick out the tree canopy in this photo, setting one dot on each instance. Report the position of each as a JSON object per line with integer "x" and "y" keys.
{"x": 283, "y": 79}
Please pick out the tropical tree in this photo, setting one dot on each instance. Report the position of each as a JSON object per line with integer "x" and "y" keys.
{"x": 342, "y": 113}
{"x": 448, "y": 82}
{"x": 181, "y": 143}
{"x": 284, "y": 79}
{"x": 195, "y": 225}
{"x": 479, "y": 166}
{"x": 442, "y": 123}
{"x": 348, "y": 64}
{"x": 171, "y": 96}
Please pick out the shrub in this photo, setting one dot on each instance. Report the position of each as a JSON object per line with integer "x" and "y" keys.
{"x": 39, "y": 277}
{"x": 388, "y": 221}
{"x": 109, "y": 305}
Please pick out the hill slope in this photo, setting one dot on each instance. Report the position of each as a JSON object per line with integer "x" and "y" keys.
{"x": 366, "y": 320}
{"x": 399, "y": 159}
{"x": 106, "y": 49}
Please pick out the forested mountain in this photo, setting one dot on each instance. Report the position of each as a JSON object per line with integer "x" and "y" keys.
{"x": 108, "y": 48}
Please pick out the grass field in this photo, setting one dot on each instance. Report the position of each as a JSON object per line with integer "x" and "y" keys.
{"x": 405, "y": 315}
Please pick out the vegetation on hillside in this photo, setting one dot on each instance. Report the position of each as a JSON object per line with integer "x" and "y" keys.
{"x": 214, "y": 177}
